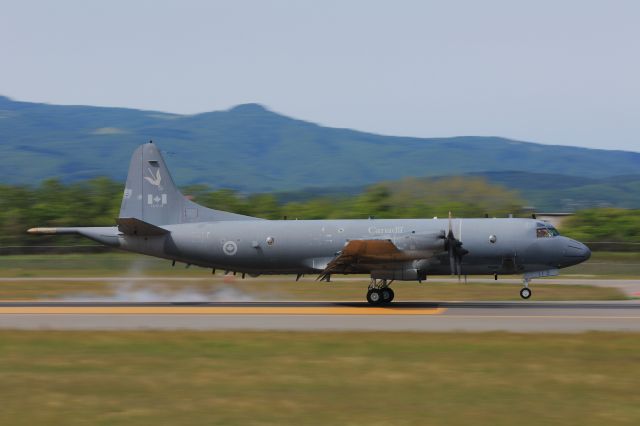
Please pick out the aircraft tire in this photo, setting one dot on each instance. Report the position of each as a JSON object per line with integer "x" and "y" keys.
{"x": 387, "y": 295}
{"x": 525, "y": 293}
{"x": 374, "y": 297}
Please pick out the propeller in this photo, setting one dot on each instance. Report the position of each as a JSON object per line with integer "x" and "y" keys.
{"x": 455, "y": 250}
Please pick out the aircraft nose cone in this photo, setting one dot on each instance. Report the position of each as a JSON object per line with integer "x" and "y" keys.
{"x": 577, "y": 252}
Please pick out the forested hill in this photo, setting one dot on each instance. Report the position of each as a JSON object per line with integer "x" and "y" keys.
{"x": 543, "y": 192}
{"x": 252, "y": 149}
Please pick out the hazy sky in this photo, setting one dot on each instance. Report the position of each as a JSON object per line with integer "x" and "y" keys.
{"x": 559, "y": 72}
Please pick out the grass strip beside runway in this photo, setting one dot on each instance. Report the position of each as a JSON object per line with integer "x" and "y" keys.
{"x": 203, "y": 378}
{"x": 285, "y": 289}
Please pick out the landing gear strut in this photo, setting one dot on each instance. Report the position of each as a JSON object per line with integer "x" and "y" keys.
{"x": 379, "y": 292}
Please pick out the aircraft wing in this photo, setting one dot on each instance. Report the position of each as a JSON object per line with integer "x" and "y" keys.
{"x": 369, "y": 252}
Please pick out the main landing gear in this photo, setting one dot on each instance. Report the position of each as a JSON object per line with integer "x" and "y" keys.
{"x": 379, "y": 292}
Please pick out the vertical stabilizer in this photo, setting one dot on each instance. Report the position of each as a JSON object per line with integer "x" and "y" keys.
{"x": 151, "y": 195}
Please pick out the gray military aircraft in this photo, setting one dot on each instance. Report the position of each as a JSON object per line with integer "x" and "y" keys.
{"x": 157, "y": 220}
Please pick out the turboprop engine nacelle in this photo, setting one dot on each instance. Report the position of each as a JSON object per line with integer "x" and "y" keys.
{"x": 409, "y": 274}
{"x": 427, "y": 243}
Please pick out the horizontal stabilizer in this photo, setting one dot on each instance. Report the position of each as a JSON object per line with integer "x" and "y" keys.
{"x": 43, "y": 231}
{"x": 133, "y": 226}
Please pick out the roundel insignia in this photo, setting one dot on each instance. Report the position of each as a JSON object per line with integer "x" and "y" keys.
{"x": 230, "y": 248}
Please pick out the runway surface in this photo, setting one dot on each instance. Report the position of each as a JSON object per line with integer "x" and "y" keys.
{"x": 325, "y": 316}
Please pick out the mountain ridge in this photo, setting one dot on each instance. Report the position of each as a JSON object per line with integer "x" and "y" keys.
{"x": 253, "y": 149}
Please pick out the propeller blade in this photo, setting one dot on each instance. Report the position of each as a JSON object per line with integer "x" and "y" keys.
{"x": 455, "y": 250}
{"x": 452, "y": 262}
{"x": 451, "y": 247}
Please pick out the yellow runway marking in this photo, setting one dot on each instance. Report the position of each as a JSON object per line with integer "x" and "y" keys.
{"x": 217, "y": 310}
{"x": 543, "y": 316}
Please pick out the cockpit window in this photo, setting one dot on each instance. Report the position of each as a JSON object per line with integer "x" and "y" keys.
{"x": 544, "y": 230}
{"x": 543, "y": 233}
{"x": 553, "y": 231}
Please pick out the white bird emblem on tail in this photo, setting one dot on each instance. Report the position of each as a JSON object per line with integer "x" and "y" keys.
{"x": 154, "y": 180}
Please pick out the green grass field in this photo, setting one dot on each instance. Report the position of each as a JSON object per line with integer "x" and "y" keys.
{"x": 191, "y": 378}
{"x": 608, "y": 264}
{"x": 285, "y": 288}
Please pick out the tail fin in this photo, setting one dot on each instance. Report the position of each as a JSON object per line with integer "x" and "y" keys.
{"x": 151, "y": 196}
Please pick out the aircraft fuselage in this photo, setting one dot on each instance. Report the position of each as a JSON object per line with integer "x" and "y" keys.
{"x": 496, "y": 246}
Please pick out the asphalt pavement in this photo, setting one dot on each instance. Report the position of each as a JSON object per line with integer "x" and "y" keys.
{"x": 517, "y": 316}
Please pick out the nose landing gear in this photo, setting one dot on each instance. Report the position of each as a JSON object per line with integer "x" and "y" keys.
{"x": 525, "y": 293}
{"x": 379, "y": 292}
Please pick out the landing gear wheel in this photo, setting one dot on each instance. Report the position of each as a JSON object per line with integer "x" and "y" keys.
{"x": 387, "y": 295}
{"x": 374, "y": 296}
{"x": 525, "y": 293}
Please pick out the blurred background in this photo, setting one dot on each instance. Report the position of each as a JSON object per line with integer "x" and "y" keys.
{"x": 481, "y": 109}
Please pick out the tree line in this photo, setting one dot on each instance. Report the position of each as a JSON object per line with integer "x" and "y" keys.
{"x": 96, "y": 202}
